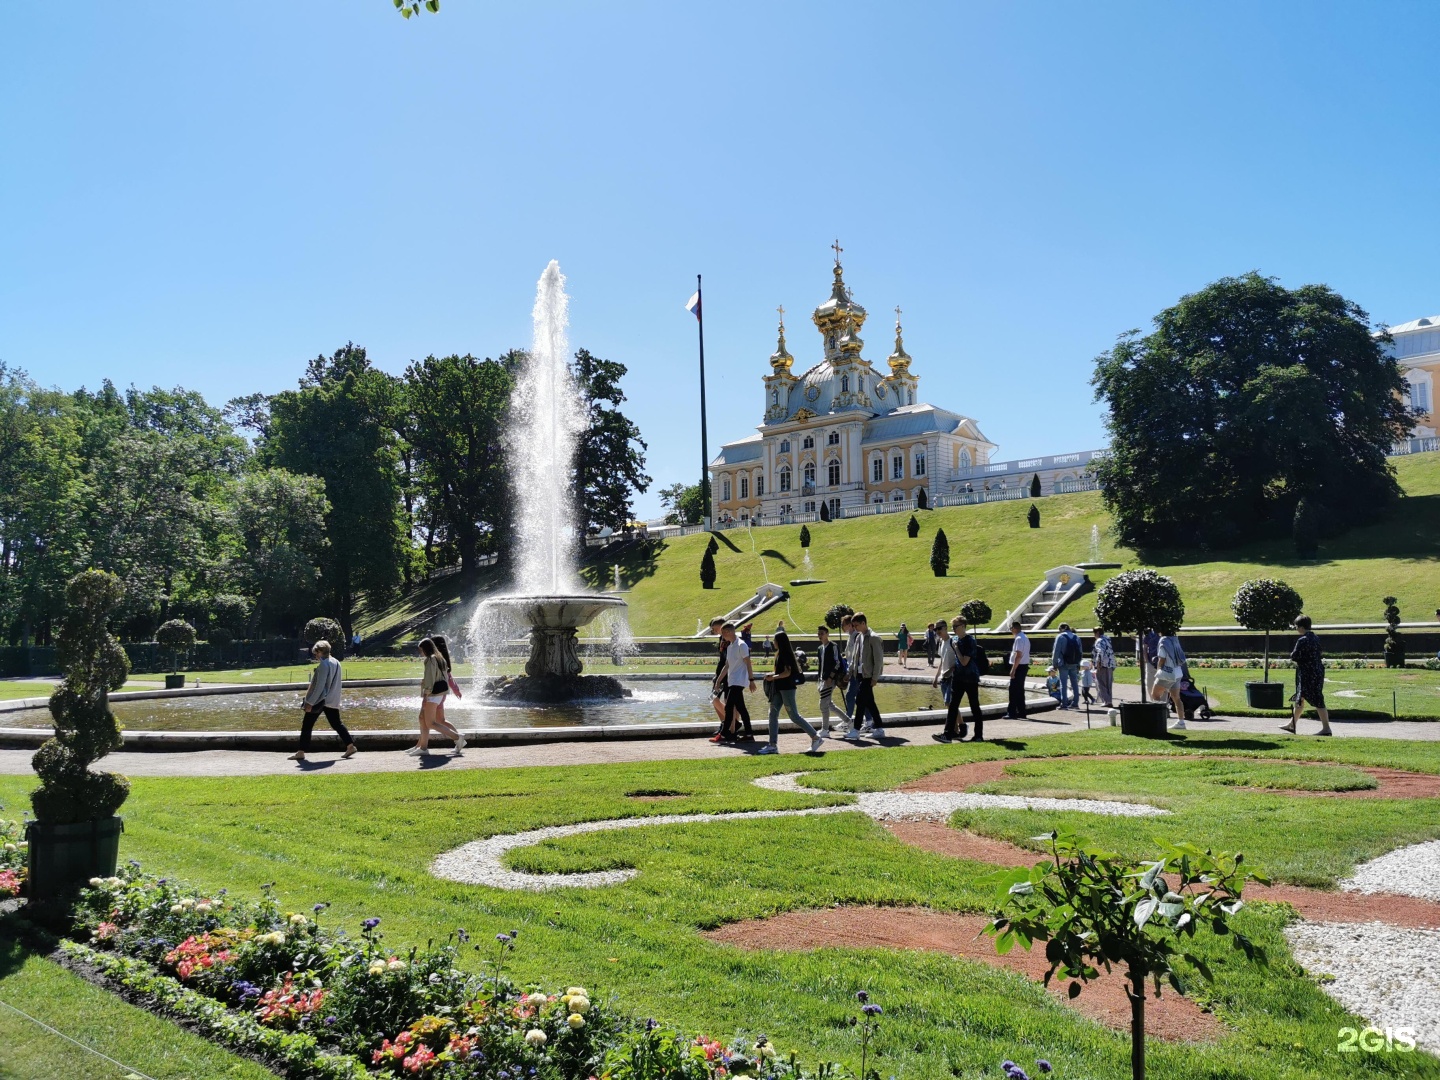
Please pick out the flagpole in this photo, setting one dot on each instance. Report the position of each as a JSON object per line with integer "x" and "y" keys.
{"x": 704, "y": 441}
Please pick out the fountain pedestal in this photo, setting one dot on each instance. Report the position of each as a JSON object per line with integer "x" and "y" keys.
{"x": 554, "y": 652}
{"x": 554, "y": 671}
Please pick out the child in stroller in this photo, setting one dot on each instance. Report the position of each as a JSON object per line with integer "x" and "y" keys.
{"x": 1191, "y": 697}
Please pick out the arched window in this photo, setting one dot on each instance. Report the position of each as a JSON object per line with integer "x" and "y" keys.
{"x": 808, "y": 444}
{"x": 809, "y": 472}
{"x": 784, "y": 446}
{"x": 964, "y": 457}
{"x": 877, "y": 470}
{"x": 830, "y": 341}
{"x": 785, "y": 478}
{"x": 759, "y": 485}
{"x": 920, "y": 463}
{"x": 878, "y": 497}
{"x": 844, "y": 384}
{"x": 899, "y": 495}
{"x": 744, "y": 487}
{"x": 910, "y": 397}
{"x": 774, "y": 397}
{"x": 834, "y": 439}
{"x": 897, "y": 467}
{"x": 860, "y": 383}
{"x": 834, "y": 470}
{"x": 725, "y": 490}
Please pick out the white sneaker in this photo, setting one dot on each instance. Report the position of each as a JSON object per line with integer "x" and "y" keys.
{"x": 415, "y": 750}
{"x": 877, "y": 733}
{"x": 852, "y": 736}
{"x": 817, "y": 744}
{"x": 459, "y": 742}
{"x": 768, "y": 748}
{"x": 824, "y": 731}
{"x": 1178, "y": 726}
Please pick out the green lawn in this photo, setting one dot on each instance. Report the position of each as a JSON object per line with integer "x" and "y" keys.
{"x": 9, "y": 691}
{"x": 91, "y": 1016}
{"x": 364, "y": 843}
{"x": 1355, "y": 692}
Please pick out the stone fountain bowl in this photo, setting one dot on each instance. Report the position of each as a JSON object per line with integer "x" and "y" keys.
{"x": 554, "y": 612}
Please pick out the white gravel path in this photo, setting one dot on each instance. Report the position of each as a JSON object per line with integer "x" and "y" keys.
{"x": 482, "y": 862}
{"x": 1407, "y": 871}
{"x": 1384, "y": 973}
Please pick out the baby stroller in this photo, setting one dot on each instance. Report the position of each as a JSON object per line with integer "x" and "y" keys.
{"x": 1191, "y": 698}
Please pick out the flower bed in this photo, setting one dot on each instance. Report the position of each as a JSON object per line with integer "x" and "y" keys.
{"x": 314, "y": 1001}
{"x": 12, "y": 857}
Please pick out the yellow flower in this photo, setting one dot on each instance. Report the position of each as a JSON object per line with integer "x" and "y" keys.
{"x": 576, "y": 1021}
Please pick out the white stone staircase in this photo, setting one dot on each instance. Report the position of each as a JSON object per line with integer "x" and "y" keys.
{"x": 1038, "y": 610}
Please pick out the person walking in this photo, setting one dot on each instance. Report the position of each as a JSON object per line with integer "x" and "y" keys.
{"x": 965, "y": 684}
{"x": 1309, "y": 677}
{"x": 782, "y": 692}
{"x": 1066, "y": 657}
{"x": 1150, "y": 652}
{"x": 852, "y": 663}
{"x": 829, "y": 669}
{"x": 1169, "y": 670}
{"x": 1087, "y": 682}
{"x": 323, "y": 695}
{"x": 434, "y": 689}
{"x": 717, "y": 681}
{"x": 1019, "y": 669}
{"x": 902, "y": 645}
{"x": 442, "y": 646}
{"x": 739, "y": 680}
{"x": 932, "y": 642}
{"x": 1103, "y": 653}
{"x": 869, "y": 668}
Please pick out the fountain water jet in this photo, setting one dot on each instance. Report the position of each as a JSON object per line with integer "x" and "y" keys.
{"x": 547, "y": 417}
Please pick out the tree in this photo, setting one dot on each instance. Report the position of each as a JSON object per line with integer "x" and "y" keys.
{"x": 836, "y": 613}
{"x": 452, "y": 414}
{"x": 1135, "y": 601}
{"x": 707, "y": 569}
{"x": 1035, "y": 486}
{"x": 1305, "y": 531}
{"x": 85, "y": 729}
{"x": 670, "y": 497}
{"x": 610, "y": 454}
{"x": 975, "y": 612}
{"x": 1095, "y": 909}
{"x": 338, "y": 426}
{"x": 1394, "y": 643}
{"x": 912, "y": 527}
{"x": 1033, "y": 517}
{"x": 175, "y": 637}
{"x": 1266, "y": 604}
{"x": 922, "y": 500}
{"x": 824, "y": 511}
{"x": 278, "y": 522}
{"x": 692, "y": 504}
{"x": 323, "y": 629}
{"x": 1245, "y": 398}
{"x": 804, "y": 536}
{"x": 410, "y": 8}
{"x": 940, "y": 554}
{"x": 713, "y": 545}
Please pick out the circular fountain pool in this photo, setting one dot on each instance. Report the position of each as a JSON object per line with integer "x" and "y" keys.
{"x": 652, "y": 701}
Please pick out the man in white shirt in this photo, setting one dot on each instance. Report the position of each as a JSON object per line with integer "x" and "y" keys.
{"x": 739, "y": 678}
{"x": 1019, "y": 669}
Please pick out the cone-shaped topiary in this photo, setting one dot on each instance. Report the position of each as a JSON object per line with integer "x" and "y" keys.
{"x": 707, "y": 569}
{"x": 912, "y": 527}
{"x": 1035, "y": 486}
{"x": 1033, "y": 516}
{"x": 1266, "y": 605}
{"x": 804, "y": 536}
{"x": 713, "y": 547}
{"x": 85, "y": 729}
{"x": 940, "y": 554}
{"x": 975, "y": 612}
{"x": 175, "y": 637}
{"x": 824, "y": 511}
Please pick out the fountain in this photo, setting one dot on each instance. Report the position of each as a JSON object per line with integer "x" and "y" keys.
{"x": 1094, "y": 543}
{"x": 547, "y": 415}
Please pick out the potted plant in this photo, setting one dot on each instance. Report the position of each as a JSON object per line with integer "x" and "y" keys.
{"x": 1133, "y": 602}
{"x": 75, "y": 835}
{"x": 1266, "y": 604}
{"x": 175, "y": 637}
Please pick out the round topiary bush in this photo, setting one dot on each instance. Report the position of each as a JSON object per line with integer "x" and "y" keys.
{"x": 323, "y": 629}
{"x": 976, "y": 612}
{"x": 1137, "y": 600}
{"x": 175, "y": 637}
{"x": 232, "y": 612}
{"x": 1266, "y": 604}
{"x": 836, "y": 613}
{"x": 85, "y": 729}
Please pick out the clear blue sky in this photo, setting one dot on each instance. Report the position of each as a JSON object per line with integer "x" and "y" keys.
{"x": 208, "y": 194}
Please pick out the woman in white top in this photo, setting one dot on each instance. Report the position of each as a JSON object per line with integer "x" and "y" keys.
{"x": 1170, "y": 661}
{"x": 434, "y": 689}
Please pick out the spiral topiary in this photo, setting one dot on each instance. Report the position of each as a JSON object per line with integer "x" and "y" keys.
{"x": 85, "y": 729}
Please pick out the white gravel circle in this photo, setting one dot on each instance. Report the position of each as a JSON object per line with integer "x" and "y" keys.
{"x": 482, "y": 862}
{"x": 1384, "y": 973}
{"x": 1407, "y": 871}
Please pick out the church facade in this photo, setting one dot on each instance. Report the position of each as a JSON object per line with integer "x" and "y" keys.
{"x": 843, "y": 436}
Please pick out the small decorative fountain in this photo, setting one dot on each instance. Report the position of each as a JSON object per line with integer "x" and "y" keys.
{"x": 547, "y": 414}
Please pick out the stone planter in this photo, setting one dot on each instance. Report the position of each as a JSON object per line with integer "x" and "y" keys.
{"x": 62, "y": 857}
{"x": 1265, "y": 695}
{"x": 174, "y": 682}
{"x": 1146, "y": 719}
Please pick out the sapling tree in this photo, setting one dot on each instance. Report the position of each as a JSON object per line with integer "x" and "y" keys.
{"x": 940, "y": 553}
{"x": 85, "y": 729}
{"x": 1266, "y": 604}
{"x": 1138, "y": 600}
{"x": 707, "y": 569}
{"x": 804, "y": 536}
{"x": 836, "y": 613}
{"x": 975, "y": 612}
{"x": 1095, "y": 909}
{"x": 912, "y": 527}
{"x": 175, "y": 637}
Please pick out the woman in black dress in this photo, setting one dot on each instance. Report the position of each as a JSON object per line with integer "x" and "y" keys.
{"x": 1309, "y": 677}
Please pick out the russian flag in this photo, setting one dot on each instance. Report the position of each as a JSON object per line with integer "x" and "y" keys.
{"x": 693, "y": 304}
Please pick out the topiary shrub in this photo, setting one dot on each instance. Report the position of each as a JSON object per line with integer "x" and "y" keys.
{"x": 323, "y": 629}
{"x": 975, "y": 612}
{"x": 1394, "y": 643}
{"x": 707, "y": 568}
{"x": 1033, "y": 516}
{"x": 1266, "y": 604}
{"x": 175, "y": 637}
{"x": 940, "y": 553}
{"x": 1136, "y": 600}
{"x": 713, "y": 547}
{"x": 1305, "y": 528}
{"x": 824, "y": 511}
{"x": 912, "y": 527}
{"x": 85, "y": 729}
{"x": 1035, "y": 486}
{"x": 804, "y": 536}
{"x": 836, "y": 613}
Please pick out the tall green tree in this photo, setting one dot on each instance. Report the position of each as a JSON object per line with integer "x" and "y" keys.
{"x": 278, "y": 520}
{"x": 338, "y": 425}
{"x": 453, "y": 420}
{"x": 610, "y": 457}
{"x": 1246, "y": 398}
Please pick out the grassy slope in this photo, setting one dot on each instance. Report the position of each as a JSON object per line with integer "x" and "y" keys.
{"x": 364, "y": 843}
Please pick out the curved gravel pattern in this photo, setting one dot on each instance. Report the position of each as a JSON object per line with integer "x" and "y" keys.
{"x": 1407, "y": 871}
{"x": 1383, "y": 973}
{"x": 482, "y": 862}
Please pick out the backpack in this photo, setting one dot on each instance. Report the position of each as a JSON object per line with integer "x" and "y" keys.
{"x": 979, "y": 662}
{"x": 1071, "y": 652}
{"x": 800, "y": 660}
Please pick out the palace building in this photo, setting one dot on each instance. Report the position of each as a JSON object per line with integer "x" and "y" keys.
{"x": 843, "y": 438}
{"x": 1417, "y": 348}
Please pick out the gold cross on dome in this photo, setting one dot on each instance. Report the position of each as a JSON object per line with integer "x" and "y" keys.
{"x": 897, "y": 314}
{"x": 781, "y": 310}
{"x": 835, "y": 247}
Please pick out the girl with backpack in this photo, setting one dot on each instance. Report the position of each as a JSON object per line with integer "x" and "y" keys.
{"x": 782, "y": 682}
{"x": 434, "y": 689}
{"x": 830, "y": 670}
